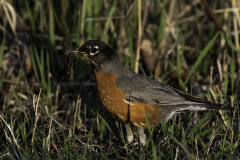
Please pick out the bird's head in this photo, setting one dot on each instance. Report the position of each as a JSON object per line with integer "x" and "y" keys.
{"x": 97, "y": 52}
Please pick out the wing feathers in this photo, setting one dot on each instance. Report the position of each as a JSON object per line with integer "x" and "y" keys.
{"x": 144, "y": 90}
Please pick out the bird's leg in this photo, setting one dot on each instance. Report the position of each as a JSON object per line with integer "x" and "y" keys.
{"x": 129, "y": 133}
{"x": 142, "y": 136}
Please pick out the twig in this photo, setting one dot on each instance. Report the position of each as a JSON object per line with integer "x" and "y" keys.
{"x": 8, "y": 126}
{"x": 52, "y": 117}
{"x": 49, "y": 134}
{"x": 139, "y": 36}
{"x": 235, "y": 27}
{"x": 209, "y": 11}
{"x": 75, "y": 115}
{"x": 235, "y": 16}
{"x": 12, "y": 22}
{"x": 35, "y": 106}
{"x": 78, "y": 114}
{"x": 227, "y": 9}
{"x": 177, "y": 153}
{"x": 217, "y": 11}
{"x": 211, "y": 140}
{"x": 168, "y": 53}
{"x": 236, "y": 11}
{"x": 197, "y": 148}
{"x": 234, "y": 113}
{"x": 9, "y": 139}
{"x": 211, "y": 74}
{"x": 56, "y": 98}
{"x": 220, "y": 71}
{"x": 85, "y": 120}
{"x": 214, "y": 97}
{"x": 171, "y": 9}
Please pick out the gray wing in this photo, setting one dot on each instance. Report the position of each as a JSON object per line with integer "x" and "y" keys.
{"x": 144, "y": 90}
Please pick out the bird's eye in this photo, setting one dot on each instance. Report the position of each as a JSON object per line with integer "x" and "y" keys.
{"x": 94, "y": 50}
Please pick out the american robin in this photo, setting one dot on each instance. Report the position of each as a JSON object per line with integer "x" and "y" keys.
{"x": 125, "y": 93}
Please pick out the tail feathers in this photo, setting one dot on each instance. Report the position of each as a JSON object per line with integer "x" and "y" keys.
{"x": 206, "y": 106}
{"x": 197, "y": 102}
{"x": 168, "y": 111}
{"x": 214, "y": 106}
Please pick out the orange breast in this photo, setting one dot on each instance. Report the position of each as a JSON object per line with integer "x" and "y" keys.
{"x": 113, "y": 99}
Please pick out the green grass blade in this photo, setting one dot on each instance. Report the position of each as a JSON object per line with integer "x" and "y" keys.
{"x": 48, "y": 81}
{"x": 107, "y": 24}
{"x": 106, "y": 124}
{"x": 21, "y": 105}
{"x": 90, "y": 137}
{"x": 78, "y": 25}
{"x": 187, "y": 154}
{"x": 51, "y": 26}
{"x": 179, "y": 67}
{"x": 89, "y": 24}
{"x": 97, "y": 8}
{"x": 229, "y": 42}
{"x": 31, "y": 18}
{"x": 154, "y": 152}
{"x": 58, "y": 23}
{"x": 202, "y": 55}
{"x": 232, "y": 72}
{"x": 34, "y": 64}
{"x": 201, "y": 123}
{"x": 132, "y": 59}
{"x": 161, "y": 28}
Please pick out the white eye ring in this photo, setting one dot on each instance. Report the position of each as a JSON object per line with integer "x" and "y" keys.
{"x": 94, "y": 50}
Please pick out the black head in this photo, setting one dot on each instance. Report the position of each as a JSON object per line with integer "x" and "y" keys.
{"x": 97, "y": 52}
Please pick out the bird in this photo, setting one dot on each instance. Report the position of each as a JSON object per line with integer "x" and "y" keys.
{"x": 128, "y": 95}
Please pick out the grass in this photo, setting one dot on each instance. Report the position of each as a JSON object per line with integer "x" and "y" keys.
{"x": 43, "y": 115}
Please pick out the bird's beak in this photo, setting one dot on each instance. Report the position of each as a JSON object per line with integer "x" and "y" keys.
{"x": 79, "y": 53}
